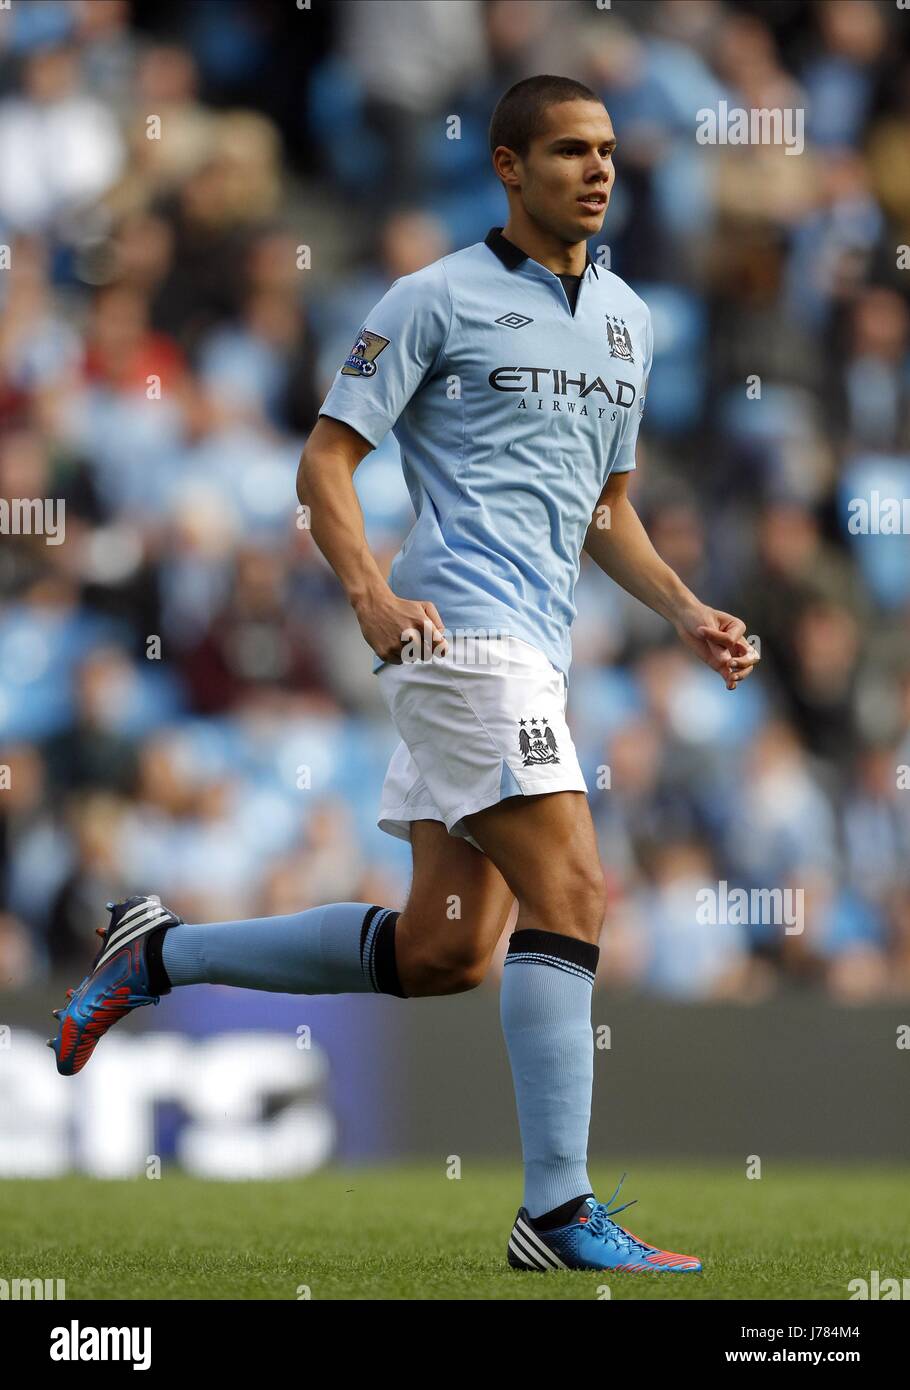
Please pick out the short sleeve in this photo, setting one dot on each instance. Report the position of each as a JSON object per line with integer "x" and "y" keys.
{"x": 625, "y": 455}
{"x": 392, "y": 354}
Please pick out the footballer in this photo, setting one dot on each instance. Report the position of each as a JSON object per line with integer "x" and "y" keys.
{"x": 513, "y": 374}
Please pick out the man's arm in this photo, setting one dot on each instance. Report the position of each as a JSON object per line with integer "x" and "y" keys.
{"x": 325, "y": 484}
{"x": 618, "y": 543}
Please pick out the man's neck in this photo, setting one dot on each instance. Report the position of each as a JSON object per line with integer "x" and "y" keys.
{"x": 544, "y": 247}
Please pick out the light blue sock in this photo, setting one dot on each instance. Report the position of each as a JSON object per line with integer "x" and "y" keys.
{"x": 341, "y": 948}
{"x": 546, "y": 1018}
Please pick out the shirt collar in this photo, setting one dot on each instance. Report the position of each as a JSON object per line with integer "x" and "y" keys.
{"x": 512, "y": 256}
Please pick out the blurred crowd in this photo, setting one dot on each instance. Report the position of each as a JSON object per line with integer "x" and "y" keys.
{"x": 198, "y": 205}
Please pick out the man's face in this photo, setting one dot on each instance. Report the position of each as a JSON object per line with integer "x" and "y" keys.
{"x": 567, "y": 175}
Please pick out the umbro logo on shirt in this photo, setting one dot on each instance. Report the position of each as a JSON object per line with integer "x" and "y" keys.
{"x": 514, "y": 321}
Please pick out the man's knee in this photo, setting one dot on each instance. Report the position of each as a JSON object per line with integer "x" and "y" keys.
{"x": 570, "y": 898}
{"x": 431, "y": 967}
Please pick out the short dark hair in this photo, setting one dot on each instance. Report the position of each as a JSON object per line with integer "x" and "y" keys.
{"x": 519, "y": 112}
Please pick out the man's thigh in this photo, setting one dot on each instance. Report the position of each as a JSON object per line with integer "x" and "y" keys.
{"x": 545, "y": 848}
{"x": 459, "y": 902}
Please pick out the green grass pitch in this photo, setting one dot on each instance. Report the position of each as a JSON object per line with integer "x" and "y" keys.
{"x": 409, "y": 1232}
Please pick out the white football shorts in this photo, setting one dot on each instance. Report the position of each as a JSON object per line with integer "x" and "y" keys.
{"x": 482, "y": 723}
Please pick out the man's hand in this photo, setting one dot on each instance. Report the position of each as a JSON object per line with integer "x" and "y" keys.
{"x": 388, "y": 622}
{"x": 717, "y": 639}
{"x": 624, "y": 552}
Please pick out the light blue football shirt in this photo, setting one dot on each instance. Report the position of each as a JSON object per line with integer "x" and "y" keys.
{"x": 511, "y": 412}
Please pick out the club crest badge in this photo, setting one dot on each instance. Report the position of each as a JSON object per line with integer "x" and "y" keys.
{"x": 361, "y": 360}
{"x": 536, "y": 742}
{"x": 620, "y": 339}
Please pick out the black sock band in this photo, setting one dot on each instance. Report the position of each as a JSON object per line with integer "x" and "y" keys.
{"x": 159, "y": 980}
{"x": 365, "y": 930}
{"x": 551, "y": 948}
{"x": 377, "y": 951}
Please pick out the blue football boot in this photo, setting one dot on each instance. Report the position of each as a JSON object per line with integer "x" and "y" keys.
{"x": 592, "y": 1240}
{"x": 117, "y": 983}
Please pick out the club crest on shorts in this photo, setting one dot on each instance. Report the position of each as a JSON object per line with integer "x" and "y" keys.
{"x": 361, "y": 360}
{"x": 620, "y": 339}
{"x": 536, "y": 742}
